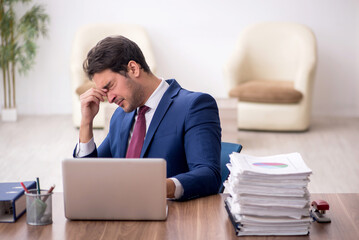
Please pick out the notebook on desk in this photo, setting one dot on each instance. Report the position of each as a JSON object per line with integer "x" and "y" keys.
{"x": 114, "y": 189}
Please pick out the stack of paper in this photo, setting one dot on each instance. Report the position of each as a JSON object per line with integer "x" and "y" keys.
{"x": 269, "y": 195}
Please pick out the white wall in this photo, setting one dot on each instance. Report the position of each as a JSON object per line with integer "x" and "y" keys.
{"x": 192, "y": 39}
{"x": 357, "y": 54}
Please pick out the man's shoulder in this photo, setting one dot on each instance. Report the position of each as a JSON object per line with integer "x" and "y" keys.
{"x": 184, "y": 93}
{"x": 191, "y": 96}
{"x": 175, "y": 87}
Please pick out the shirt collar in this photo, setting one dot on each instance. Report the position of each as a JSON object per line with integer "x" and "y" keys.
{"x": 155, "y": 98}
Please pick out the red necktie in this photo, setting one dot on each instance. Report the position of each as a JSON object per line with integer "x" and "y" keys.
{"x": 138, "y": 136}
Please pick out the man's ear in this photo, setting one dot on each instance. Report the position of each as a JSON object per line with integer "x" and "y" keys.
{"x": 133, "y": 68}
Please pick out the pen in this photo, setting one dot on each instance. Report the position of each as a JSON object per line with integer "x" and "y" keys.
{"x": 38, "y": 185}
{"x": 48, "y": 192}
{"x": 23, "y": 186}
{"x": 51, "y": 188}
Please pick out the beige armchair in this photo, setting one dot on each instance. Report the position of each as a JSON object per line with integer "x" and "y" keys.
{"x": 271, "y": 72}
{"x": 87, "y": 37}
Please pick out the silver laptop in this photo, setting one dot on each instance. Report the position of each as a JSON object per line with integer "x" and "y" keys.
{"x": 114, "y": 188}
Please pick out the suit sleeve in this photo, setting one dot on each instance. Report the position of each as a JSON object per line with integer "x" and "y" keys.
{"x": 202, "y": 141}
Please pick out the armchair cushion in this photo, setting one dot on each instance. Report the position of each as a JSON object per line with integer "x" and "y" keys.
{"x": 266, "y": 91}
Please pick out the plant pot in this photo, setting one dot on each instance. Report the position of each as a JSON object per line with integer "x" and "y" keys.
{"x": 8, "y": 114}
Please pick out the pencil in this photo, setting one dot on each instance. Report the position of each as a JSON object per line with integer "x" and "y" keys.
{"x": 38, "y": 185}
{"x": 23, "y": 186}
{"x": 48, "y": 192}
{"x": 51, "y": 188}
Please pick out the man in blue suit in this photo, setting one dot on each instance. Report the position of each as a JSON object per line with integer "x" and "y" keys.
{"x": 180, "y": 126}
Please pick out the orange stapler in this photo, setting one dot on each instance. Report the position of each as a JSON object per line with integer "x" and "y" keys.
{"x": 318, "y": 211}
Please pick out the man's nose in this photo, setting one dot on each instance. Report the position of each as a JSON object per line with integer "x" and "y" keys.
{"x": 110, "y": 97}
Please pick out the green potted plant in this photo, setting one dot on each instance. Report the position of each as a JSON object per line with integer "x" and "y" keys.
{"x": 18, "y": 47}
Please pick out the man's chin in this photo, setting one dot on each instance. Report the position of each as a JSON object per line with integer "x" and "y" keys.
{"x": 127, "y": 109}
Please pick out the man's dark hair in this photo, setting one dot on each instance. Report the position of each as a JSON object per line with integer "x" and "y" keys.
{"x": 114, "y": 53}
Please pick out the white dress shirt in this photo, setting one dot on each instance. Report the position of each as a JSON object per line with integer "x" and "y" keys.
{"x": 83, "y": 149}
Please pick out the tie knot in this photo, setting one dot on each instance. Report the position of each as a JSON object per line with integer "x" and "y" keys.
{"x": 143, "y": 110}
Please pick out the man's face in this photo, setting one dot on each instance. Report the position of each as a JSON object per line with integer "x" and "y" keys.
{"x": 121, "y": 90}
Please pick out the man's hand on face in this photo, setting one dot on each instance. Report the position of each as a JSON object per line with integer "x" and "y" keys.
{"x": 90, "y": 104}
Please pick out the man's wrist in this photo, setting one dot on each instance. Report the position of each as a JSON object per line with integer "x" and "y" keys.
{"x": 174, "y": 188}
{"x": 84, "y": 149}
{"x": 171, "y": 188}
{"x": 179, "y": 188}
{"x": 85, "y": 133}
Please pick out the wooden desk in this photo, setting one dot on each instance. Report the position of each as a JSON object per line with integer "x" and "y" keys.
{"x": 204, "y": 218}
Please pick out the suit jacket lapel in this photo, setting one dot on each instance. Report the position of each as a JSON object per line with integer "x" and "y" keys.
{"x": 127, "y": 123}
{"x": 161, "y": 110}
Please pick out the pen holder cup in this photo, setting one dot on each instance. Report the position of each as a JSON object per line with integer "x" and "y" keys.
{"x": 38, "y": 207}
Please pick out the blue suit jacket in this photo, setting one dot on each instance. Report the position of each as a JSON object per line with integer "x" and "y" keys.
{"x": 185, "y": 131}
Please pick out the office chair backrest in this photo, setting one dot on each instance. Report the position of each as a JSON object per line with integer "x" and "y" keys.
{"x": 226, "y": 149}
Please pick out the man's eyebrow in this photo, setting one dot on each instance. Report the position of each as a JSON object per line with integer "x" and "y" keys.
{"x": 107, "y": 85}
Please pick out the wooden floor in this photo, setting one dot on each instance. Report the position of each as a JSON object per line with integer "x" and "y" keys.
{"x": 35, "y": 145}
